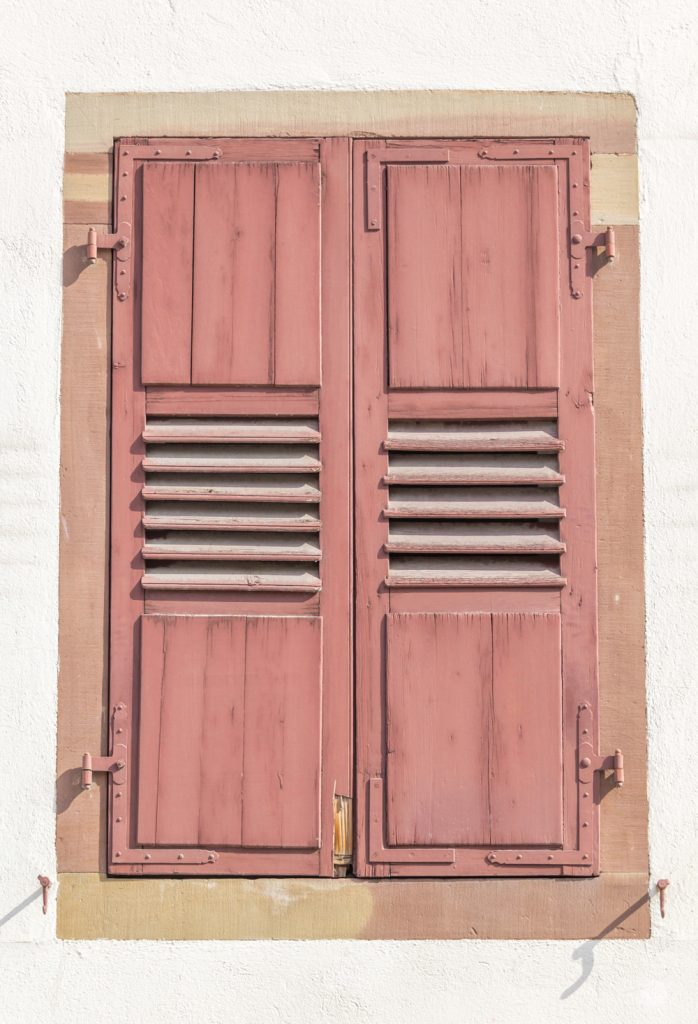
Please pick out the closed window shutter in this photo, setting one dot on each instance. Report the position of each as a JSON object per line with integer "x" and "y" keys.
{"x": 475, "y": 516}
{"x": 231, "y": 544}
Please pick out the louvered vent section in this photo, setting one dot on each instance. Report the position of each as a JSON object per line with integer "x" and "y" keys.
{"x": 474, "y": 504}
{"x": 231, "y": 504}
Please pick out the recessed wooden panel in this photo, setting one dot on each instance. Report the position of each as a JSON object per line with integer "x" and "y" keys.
{"x": 473, "y": 289}
{"x": 474, "y": 715}
{"x": 439, "y": 682}
{"x": 257, "y": 274}
{"x": 230, "y": 731}
{"x": 168, "y": 220}
{"x": 526, "y": 751}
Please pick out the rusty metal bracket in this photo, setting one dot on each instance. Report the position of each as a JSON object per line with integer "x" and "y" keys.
{"x": 588, "y": 760}
{"x": 116, "y": 767}
{"x": 120, "y": 240}
{"x": 114, "y": 763}
{"x": 580, "y": 241}
{"x": 120, "y": 243}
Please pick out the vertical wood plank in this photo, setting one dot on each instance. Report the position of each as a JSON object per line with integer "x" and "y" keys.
{"x": 425, "y": 310}
{"x": 168, "y": 224}
{"x": 181, "y": 729}
{"x": 578, "y": 495}
{"x": 281, "y": 760}
{"x": 152, "y": 673}
{"x": 234, "y": 259}
{"x": 370, "y": 497}
{"x": 439, "y": 685}
{"x": 297, "y": 275}
{"x": 526, "y": 750}
{"x": 336, "y": 535}
{"x": 473, "y": 276}
{"x": 510, "y": 276}
{"x": 220, "y": 798}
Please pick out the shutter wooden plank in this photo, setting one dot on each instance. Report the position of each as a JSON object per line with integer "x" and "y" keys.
{"x": 236, "y": 724}
{"x": 439, "y": 677}
{"x": 152, "y": 674}
{"x": 526, "y": 753}
{"x": 473, "y": 276}
{"x": 257, "y": 274}
{"x": 223, "y": 655}
{"x": 168, "y": 224}
{"x": 510, "y": 269}
{"x": 425, "y": 302}
{"x": 172, "y": 662}
{"x": 234, "y": 254}
{"x": 297, "y": 275}
{"x": 281, "y": 767}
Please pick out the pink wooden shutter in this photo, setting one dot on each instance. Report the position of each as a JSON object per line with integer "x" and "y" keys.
{"x": 476, "y": 591}
{"x": 231, "y": 544}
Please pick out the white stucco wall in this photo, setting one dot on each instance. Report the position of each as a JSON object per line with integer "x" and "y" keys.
{"x": 647, "y": 48}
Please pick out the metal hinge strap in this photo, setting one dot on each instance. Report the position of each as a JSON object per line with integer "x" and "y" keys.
{"x": 394, "y": 155}
{"x": 120, "y": 240}
{"x": 588, "y": 762}
{"x": 379, "y": 853}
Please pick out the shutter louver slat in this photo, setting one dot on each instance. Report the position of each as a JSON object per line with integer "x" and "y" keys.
{"x": 432, "y": 472}
{"x": 224, "y": 474}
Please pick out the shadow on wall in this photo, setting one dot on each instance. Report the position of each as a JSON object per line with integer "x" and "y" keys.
{"x": 585, "y": 952}
{"x": 20, "y": 907}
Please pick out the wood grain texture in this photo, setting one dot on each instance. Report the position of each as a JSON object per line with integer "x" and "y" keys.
{"x": 94, "y": 120}
{"x": 473, "y": 729}
{"x": 201, "y": 401}
{"x": 257, "y": 274}
{"x": 230, "y": 731}
{"x": 472, "y": 405}
{"x": 464, "y": 242}
{"x": 166, "y": 309}
{"x": 525, "y": 761}
{"x": 82, "y": 682}
{"x": 614, "y": 906}
{"x": 438, "y": 706}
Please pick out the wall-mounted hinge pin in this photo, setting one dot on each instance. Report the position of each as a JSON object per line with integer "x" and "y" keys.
{"x": 662, "y": 887}
{"x": 45, "y": 883}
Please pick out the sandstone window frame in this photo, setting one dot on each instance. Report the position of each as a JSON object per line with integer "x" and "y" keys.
{"x": 90, "y": 905}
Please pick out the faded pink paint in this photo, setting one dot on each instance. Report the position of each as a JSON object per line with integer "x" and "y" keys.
{"x": 470, "y": 669}
{"x": 473, "y": 276}
{"x": 257, "y": 274}
{"x": 475, "y": 650}
{"x": 230, "y": 731}
{"x": 237, "y": 701}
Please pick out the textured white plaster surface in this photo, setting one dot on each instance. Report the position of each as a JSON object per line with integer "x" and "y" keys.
{"x": 47, "y": 49}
